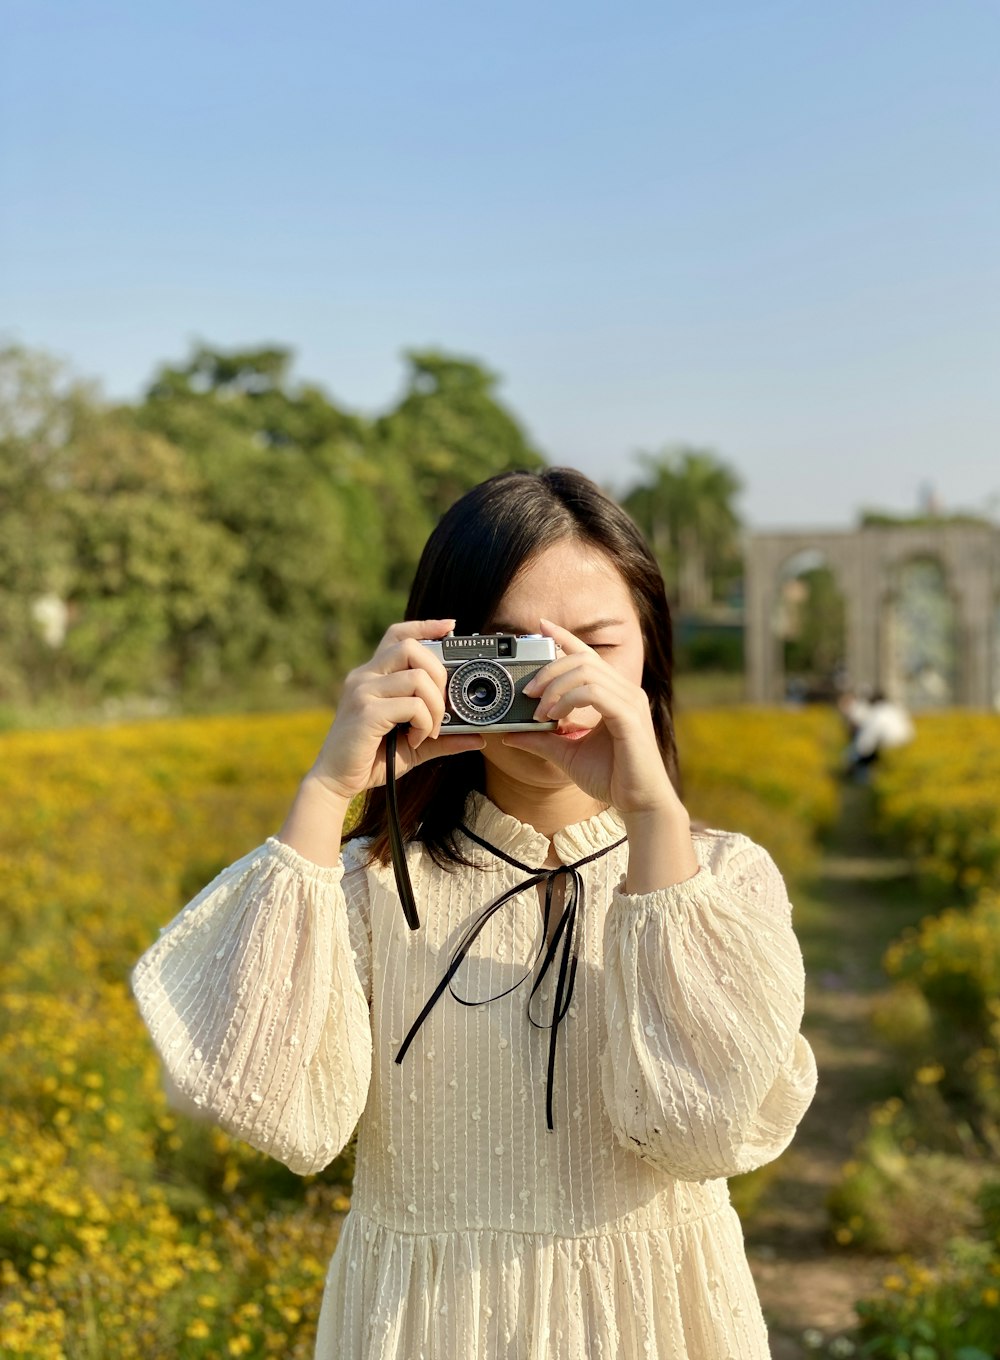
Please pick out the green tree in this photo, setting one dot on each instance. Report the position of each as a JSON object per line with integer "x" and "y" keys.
{"x": 232, "y": 532}
{"x": 448, "y": 433}
{"x": 292, "y": 477}
{"x": 816, "y": 647}
{"x": 99, "y": 525}
{"x": 685, "y": 505}
{"x": 38, "y": 408}
{"x": 152, "y": 588}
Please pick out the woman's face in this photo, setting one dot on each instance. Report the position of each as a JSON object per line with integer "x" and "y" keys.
{"x": 577, "y": 586}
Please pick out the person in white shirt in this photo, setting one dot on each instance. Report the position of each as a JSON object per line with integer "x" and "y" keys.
{"x": 596, "y": 1023}
{"x": 876, "y": 724}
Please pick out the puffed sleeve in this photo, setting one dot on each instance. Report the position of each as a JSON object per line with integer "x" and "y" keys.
{"x": 257, "y": 999}
{"x": 705, "y": 1073}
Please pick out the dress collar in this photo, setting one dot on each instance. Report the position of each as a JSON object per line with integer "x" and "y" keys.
{"x": 523, "y": 842}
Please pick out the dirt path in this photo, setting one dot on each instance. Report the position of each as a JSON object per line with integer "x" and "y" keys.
{"x": 861, "y": 901}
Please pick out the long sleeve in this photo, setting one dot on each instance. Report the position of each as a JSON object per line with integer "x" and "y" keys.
{"x": 257, "y": 999}
{"x": 705, "y": 1073}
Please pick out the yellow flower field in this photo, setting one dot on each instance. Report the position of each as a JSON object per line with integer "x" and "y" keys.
{"x": 127, "y": 1230}
{"x": 939, "y": 799}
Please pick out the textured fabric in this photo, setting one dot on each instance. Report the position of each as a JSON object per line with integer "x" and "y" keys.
{"x": 280, "y": 996}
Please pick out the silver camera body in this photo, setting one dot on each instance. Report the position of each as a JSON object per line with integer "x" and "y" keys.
{"x": 487, "y": 673}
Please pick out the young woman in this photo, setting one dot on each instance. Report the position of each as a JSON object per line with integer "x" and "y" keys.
{"x": 595, "y": 1024}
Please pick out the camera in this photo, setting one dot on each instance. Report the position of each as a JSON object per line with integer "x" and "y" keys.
{"x": 487, "y": 673}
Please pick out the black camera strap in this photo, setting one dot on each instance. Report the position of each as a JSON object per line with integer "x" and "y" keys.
{"x": 403, "y": 885}
{"x": 561, "y": 940}
{"x": 564, "y": 934}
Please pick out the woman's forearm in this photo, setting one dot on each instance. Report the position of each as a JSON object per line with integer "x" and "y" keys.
{"x": 660, "y": 849}
{"x": 315, "y": 822}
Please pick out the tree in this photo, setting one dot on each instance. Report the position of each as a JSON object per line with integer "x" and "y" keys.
{"x": 291, "y": 476}
{"x": 152, "y": 589}
{"x": 816, "y": 645}
{"x": 39, "y": 404}
{"x": 233, "y": 531}
{"x": 99, "y": 526}
{"x": 685, "y": 506}
{"x": 448, "y": 433}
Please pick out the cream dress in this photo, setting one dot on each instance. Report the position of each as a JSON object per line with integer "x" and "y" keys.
{"x": 280, "y": 997}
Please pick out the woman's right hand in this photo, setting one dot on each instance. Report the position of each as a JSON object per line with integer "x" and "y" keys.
{"x": 403, "y": 683}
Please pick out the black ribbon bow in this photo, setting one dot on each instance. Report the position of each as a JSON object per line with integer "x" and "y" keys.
{"x": 565, "y": 932}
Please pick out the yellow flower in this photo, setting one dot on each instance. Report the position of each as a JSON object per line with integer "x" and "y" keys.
{"x": 930, "y": 1073}
{"x": 893, "y": 1282}
{"x": 991, "y": 1297}
{"x": 198, "y": 1329}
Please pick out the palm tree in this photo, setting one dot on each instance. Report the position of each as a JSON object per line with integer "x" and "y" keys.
{"x": 684, "y": 505}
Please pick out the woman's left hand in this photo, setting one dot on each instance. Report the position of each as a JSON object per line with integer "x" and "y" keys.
{"x": 618, "y": 761}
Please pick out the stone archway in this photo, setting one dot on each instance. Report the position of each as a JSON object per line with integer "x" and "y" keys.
{"x": 866, "y": 562}
{"x": 920, "y": 663}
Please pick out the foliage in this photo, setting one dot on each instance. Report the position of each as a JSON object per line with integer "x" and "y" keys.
{"x": 817, "y": 646}
{"x": 924, "y": 1179}
{"x": 954, "y": 959}
{"x": 766, "y": 773}
{"x": 236, "y": 537}
{"x": 885, "y": 519}
{"x": 126, "y": 1229}
{"x": 896, "y": 1194}
{"x": 233, "y": 531}
{"x": 937, "y": 801}
{"x": 704, "y": 644}
{"x": 950, "y": 1311}
{"x": 685, "y": 505}
{"x": 447, "y": 434}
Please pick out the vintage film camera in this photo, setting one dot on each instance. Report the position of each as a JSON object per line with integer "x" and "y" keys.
{"x": 486, "y": 675}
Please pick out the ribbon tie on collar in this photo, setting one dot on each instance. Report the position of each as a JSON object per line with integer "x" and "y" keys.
{"x": 565, "y": 933}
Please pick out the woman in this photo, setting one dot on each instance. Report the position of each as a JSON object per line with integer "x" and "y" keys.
{"x": 547, "y": 1109}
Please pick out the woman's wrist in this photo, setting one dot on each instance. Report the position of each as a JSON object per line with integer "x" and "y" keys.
{"x": 315, "y": 822}
{"x": 660, "y": 849}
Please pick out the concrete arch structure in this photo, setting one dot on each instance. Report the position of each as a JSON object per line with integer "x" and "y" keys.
{"x": 865, "y": 562}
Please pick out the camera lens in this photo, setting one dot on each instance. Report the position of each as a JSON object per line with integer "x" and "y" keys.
{"x": 480, "y": 692}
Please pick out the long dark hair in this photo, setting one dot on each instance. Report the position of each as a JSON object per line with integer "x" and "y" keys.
{"x": 469, "y": 561}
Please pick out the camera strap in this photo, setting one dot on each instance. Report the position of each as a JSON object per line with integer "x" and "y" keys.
{"x": 563, "y": 941}
{"x": 564, "y": 934}
{"x": 396, "y": 848}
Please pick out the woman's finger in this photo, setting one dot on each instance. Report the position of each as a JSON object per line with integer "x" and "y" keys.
{"x": 407, "y": 683}
{"x": 549, "y": 745}
{"x": 568, "y": 641}
{"x": 405, "y": 711}
{"x": 409, "y": 654}
{"x": 430, "y": 629}
{"x": 572, "y": 649}
{"x": 573, "y": 683}
{"x": 436, "y": 747}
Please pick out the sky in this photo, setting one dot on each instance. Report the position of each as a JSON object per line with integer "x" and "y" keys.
{"x": 770, "y": 230}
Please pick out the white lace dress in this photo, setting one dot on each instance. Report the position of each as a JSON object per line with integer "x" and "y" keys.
{"x": 279, "y": 1000}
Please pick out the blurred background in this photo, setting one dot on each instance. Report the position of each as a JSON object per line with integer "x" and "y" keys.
{"x": 277, "y": 284}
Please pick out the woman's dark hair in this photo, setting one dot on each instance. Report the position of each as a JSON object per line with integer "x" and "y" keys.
{"x": 469, "y": 561}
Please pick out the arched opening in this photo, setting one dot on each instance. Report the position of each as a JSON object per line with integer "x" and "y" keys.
{"x": 920, "y": 655}
{"x": 810, "y": 627}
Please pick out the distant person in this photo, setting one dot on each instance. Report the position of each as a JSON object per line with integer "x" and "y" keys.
{"x": 876, "y": 724}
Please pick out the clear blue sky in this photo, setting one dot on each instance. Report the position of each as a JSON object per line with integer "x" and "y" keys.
{"x": 771, "y": 229}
